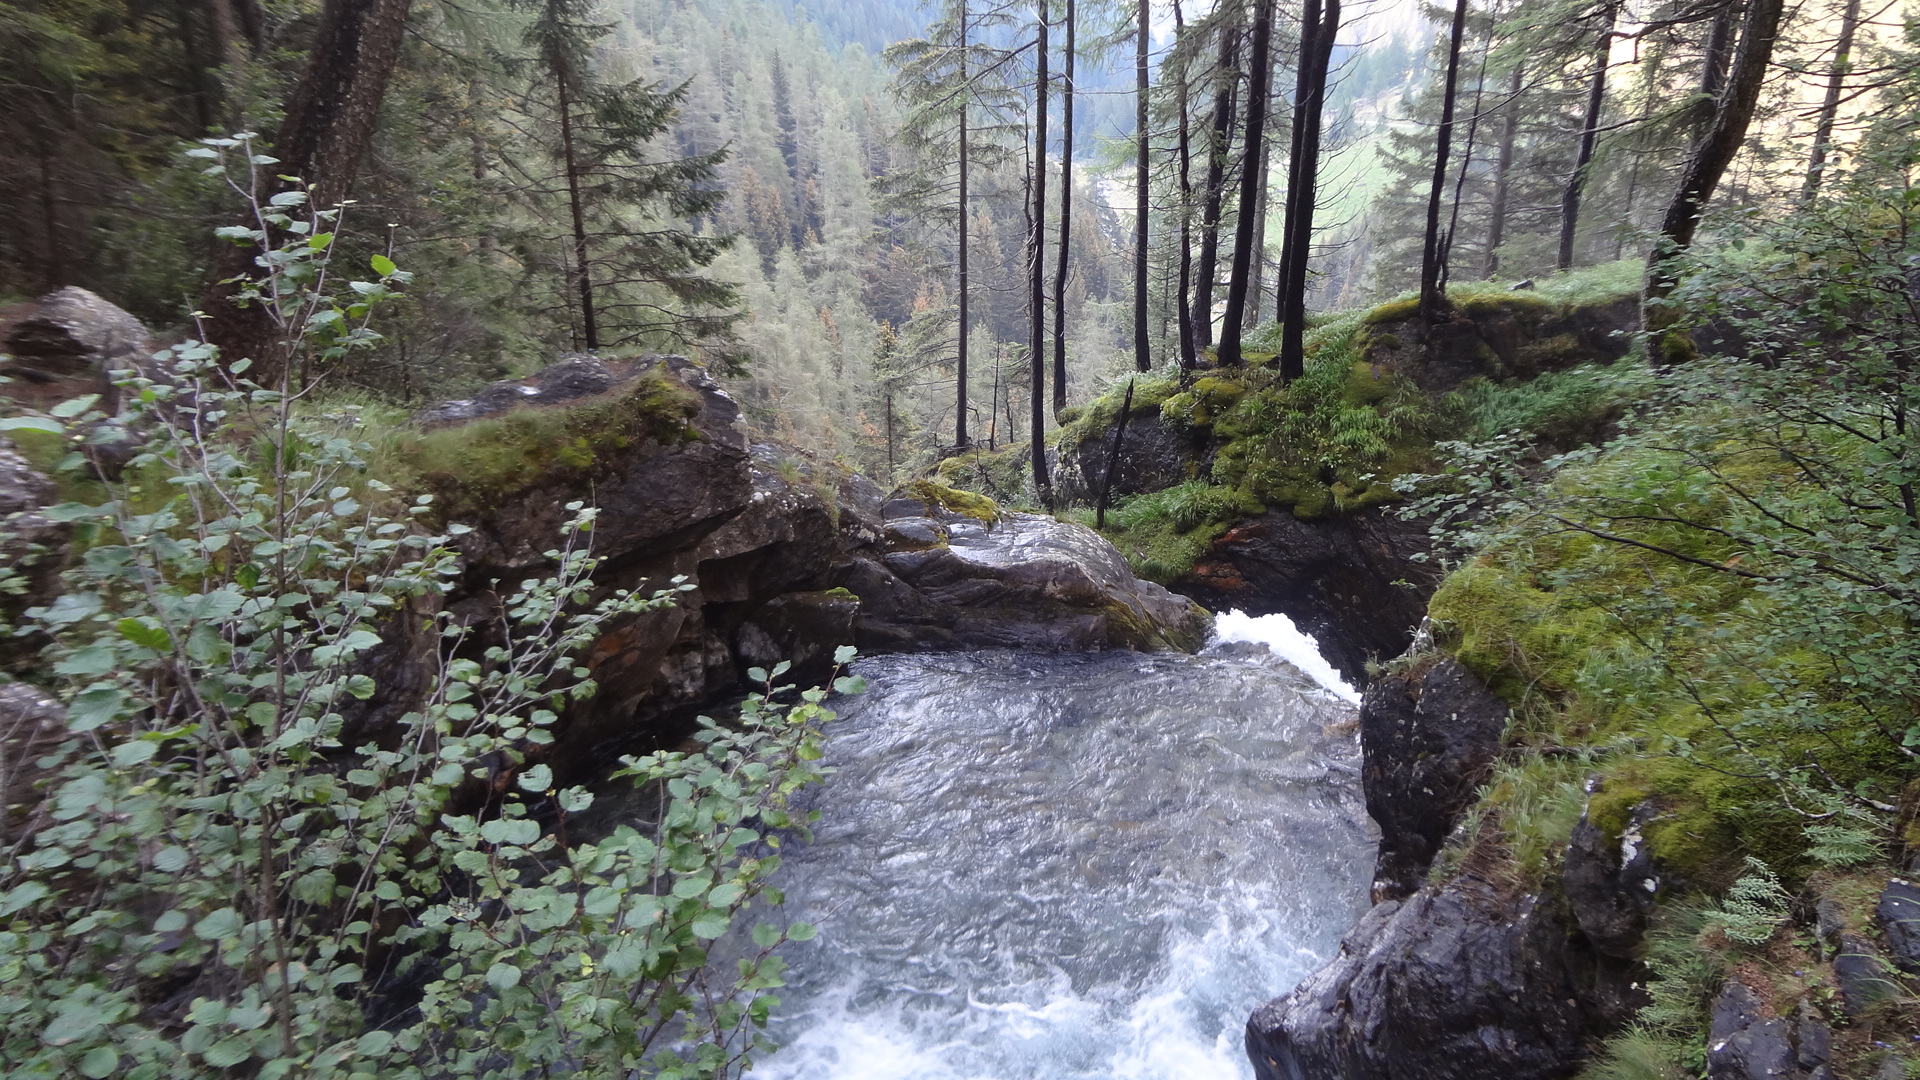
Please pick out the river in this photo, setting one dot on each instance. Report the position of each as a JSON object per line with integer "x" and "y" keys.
{"x": 1048, "y": 867}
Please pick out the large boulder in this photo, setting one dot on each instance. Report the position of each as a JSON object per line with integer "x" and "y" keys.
{"x": 1611, "y": 882}
{"x": 1429, "y": 732}
{"x": 1462, "y": 981}
{"x": 1899, "y": 912}
{"x": 946, "y": 579}
{"x": 73, "y": 333}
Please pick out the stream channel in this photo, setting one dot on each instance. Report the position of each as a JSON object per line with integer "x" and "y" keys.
{"x": 1048, "y": 867}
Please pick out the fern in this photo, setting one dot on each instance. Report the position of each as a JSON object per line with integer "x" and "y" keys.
{"x": 1755, "y": 907}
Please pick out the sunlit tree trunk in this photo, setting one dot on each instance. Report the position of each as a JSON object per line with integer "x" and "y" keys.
{"x": 1244, "y": 240}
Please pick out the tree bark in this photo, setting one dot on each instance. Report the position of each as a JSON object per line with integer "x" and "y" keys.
{"x": 1589, "y": 131}
{"x": 1066, "y": 224}
{"x": 1225, "y": 104}
{"x": 1319, "y": 28}
{"x": 1189, "y": 348}
{"x": 582, "y": 265}
{"x": 1142, "y": 199}
{"x": 1244, "y": 239}
{"x": 1830, "y": 106}
{"x": 1503, "y": 169}
{"x": 1715, "y": 150}
{"x": 1113, "y": 458}
{"x": 1257, "y": 273}
{"x": 960, "y": 439}
{"x": 1036, "y": 266}
{"x": 324, "y": 137}
{"x": 1434, "y": 306}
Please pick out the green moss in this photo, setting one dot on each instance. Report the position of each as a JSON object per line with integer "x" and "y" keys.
{"x": 559, "y": 448}
{"x": 965, "y": 503}
{"x": 1393, "y": 311}
{"x": 1000, "y": 474}
{"x": 1209, "y": 398}
{"x": 841, "y": 593}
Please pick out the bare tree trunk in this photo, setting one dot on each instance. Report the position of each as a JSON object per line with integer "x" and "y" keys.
{"x": 1142, "y": 201}
{"x": 1503, "y": 170}
{"x": 960, "y": 440}
{"x": 1113, "y": 458}
{"x": 1434, "y": 306}
{"x": 1473, "y": 135}
{"x": 1257, "y": 273}
{"x": 1715, "y": 150}
{"x": 1244, "y": 240}
{"x": 1830, "y": 107}
{"x": 1319, "y": 27}
{"x": 1036, "y": 266}
{"x": 328, "y": 126}
{"x": 1189, "y": 347}
{"x": 582, "y": 267}
{"x": 1589, "y": 131}
{"x": 1713, "y": 66}
{"x": 1066, "y": 225}
{"x": 1225, "y": 94}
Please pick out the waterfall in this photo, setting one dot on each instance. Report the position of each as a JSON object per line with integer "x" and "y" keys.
{"x": 1048, "y": 867}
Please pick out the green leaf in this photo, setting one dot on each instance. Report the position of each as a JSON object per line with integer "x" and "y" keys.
{"x": 228, "y": 1052}
{"x": 100, "y": 1062}
{"x": 845, "y": 654}
{"x": 145, "y": 633}
{"x": 94, "y": 707}
{"x": 31, "y": 423}
{"x": 137, "y": 752}
{"x": 73, "y": 407}
{"x": 503, "y": 977}
{"x": 710, "y": 924}
{"x": 361, "y": 686}
{"x": 224, "y": 923}
{"x": 383, "y": 265}
{"x": 536, "y": 779}
{"x": 801, "y": 932}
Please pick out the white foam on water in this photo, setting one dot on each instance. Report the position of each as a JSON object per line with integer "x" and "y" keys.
{"x": 1278, "y": 633}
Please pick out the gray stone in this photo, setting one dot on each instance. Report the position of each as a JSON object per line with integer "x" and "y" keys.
{"x": 75, "y": 333}
{"x": 1430, "y": 733}
{"x": 569, "y": 379}
{"x": 32, "y": 725}
{"x": 32, "y": 544}
{"x": 1745, "y": 1041}
{"x": 1899, "y": 911}
{"x": 1610, "y": 883}
{"x": 1865, "y": 977}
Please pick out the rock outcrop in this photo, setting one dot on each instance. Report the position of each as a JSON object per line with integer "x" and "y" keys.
{"x": 1611, "y": 884}
{"x": 1429, "y": 733}
{"x": 1899, "y": 913}
{"x": 1351, "y": 581}
{"x": 1462, "y": 981}
{"x": 786, "y": 557}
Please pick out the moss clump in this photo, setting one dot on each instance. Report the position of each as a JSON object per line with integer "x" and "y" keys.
{"x": 1163, "y": 534}
{"x": 1393, "y": 311}
{"x": 998, "y": 474}
{"x": 474, "y": 465}
{"x": 1208, "y": 399}
{"x": 953, "y": 500}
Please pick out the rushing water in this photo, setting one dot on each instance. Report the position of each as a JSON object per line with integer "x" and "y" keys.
{"x": 1040, "y": 867}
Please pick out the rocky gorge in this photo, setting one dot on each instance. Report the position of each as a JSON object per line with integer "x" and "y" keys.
{"x": 1465, "y": 964}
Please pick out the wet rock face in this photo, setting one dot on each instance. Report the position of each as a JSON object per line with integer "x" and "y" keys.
{"x": 1336, "y": 578}
{"x": 943, "y": 580}
{"x": 1458, "y": 982}
{"x": 1429, "y": 734}
{"x": 1748, "y": 1042}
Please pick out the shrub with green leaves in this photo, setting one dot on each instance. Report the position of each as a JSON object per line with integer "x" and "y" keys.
{"x": 215, "y": 882}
